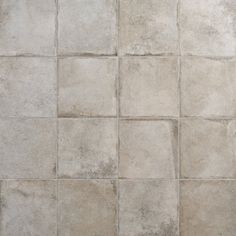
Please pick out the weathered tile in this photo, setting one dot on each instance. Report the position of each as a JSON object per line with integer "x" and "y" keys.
{"x": 208, "y": 148}
{"x": 87, "y": 148}
{"x": 208, "y": 87}
{"x": 27, "y": 27}
{"x": 149, "y": 86}
{"x": 208, "y": 27}
{"x": 27, "y": 148}
{"x": 87, "y": 87}
{"x": 87, "y": 27}
{"x": 87, "y": 207}
{"x": 148, "y": 208}
{"x": 28, "y": 208}
{"x": 148, "y": 149}
{"x": 27, "y": 87}
{"x": 208, "y": 208}
{"x": 148, "y": 27}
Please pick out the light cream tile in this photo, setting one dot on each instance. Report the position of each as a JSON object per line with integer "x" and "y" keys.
{"x": 87, "y": 87}
{"x": 87, "y": 27}
{"x": 87, "y": 207}
{"x": 87, "y": 148}
{"x": 27, "y": 87}
{"x": 208, "y": 208}
{"x": 148, "y": 27}
{"x": 148, "y": 208}
{"x": 208, "y": 148}
{"x": 28, "y": 208}
{"x": 27, "y": 148}
{"x": 148, "y": 149}
{"x": 149, "y": 86}
{"x": 208, "y": 27}
{"x": 27, "y": 27}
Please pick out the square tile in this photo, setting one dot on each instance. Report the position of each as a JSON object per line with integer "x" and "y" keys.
{"x": 87, "y": 87}
{"x": 208, "y": 208}
{"x": 149, "y": 86}
{"x": 208, "y": 87}
{"x": 87, "y": 148}
{"x": 208, "y": 27}
{"x": 27, "y": 27}
{"x": 87, "y": 207}
{"x": 27, "y": 87}
{"x": 87, "y": 27}
{"x": 28, "y": 208}
{"x": 148, "y": 149}
{"x": 28, "y": 148}
{"x": 148, "y": 27}
{"x": 208, "y": 148}
{"x": 148, "y": 208}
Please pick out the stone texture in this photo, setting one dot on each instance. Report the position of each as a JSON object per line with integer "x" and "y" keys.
{"x": 208, "y": 208}
{"x": 28, "y": 208}
{"x": 148, "y": 27}
{"x": 27, "y": 27}
{"x": 87, "y": 27}
{"x": 87, "y": 148}
{"x": 27, "y": 87}
{"x": 87, "y": 207}
{"x": 148, "y": 208}
{"x": 149, "y": 86}
{"x": 208, "y": 148}
{"x": 27, "y": 148}
{"x": 208, "y": 27}
{"x": 87, "y": 87}
{"x": 148, "y": 149}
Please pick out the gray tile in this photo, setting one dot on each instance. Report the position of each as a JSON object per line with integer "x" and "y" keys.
{"x": 27, "y": 27}
{"x": 149, "y": 86}
{"x": 87, "y": 27}
{"x": 27, "y": 87}
{"x": 87, "y": 207}
{"x": 28, "y": 208}
{"x": 208, "y": 27}
{"x": 27, "y": 148}
{"x": 87, "y": 87}
{"x": 148, "y": 27}
{"x": 208, "y": 208}
{"x": 87, "y": 148}
{"x": 148, "y": 208}
{"x": 208, "y": 148}
{"x": 148, "y": 149}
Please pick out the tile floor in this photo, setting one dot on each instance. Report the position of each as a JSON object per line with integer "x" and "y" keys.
{"x": 117, "y": 117}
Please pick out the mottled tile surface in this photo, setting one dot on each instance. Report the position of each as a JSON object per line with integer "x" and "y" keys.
{"x": 207, "y": 208}
{"x": 148, "y": 207}
{"x": 148, "y": 149}
{"x": 28, "y": 208}
{"x": 87, "y": 207}
{"x": 87, "y": 87}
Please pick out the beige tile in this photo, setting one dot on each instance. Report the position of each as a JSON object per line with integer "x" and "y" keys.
{"x": 27, "y": 148}
{"x": 149, "y": 86}
{"x": 148, "y": 208}
{"x": 208, "y": 208}
{"x": 148, "y": 149}
{"x": 87, "y": 87}
{"x": 27, "y": 27}
{"x": 148, "y": 27}
{"x": 87, "y": 27}
{"x": 28, "y": 208}
{"x": 208, "y": 27}
{"x": 27, "y": 87}
{"x": 208, "y": 148}
{"x": 208, "y": 87}
{"x": 87, "y": 207}
{"x": 87, "y": 148}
